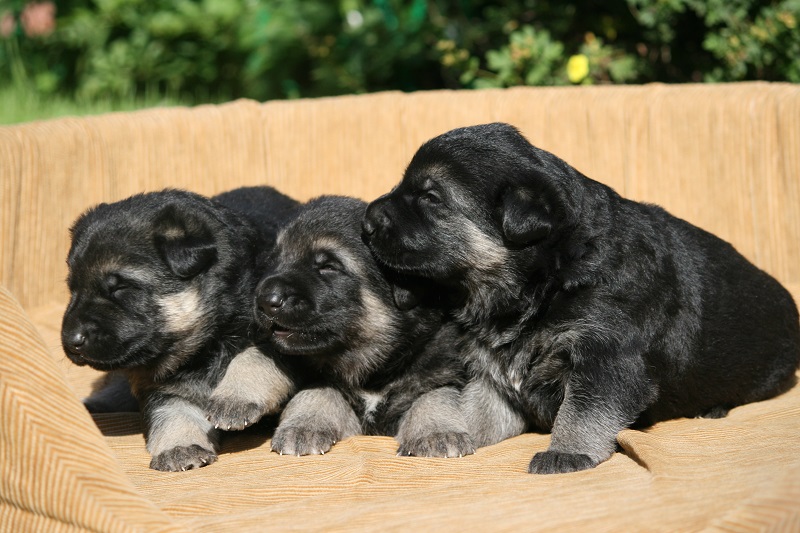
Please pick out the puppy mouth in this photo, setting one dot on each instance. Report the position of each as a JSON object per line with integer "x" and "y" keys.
{"x": 408, "y": 262}
{"x": 128, "y": 353}
{"x": 82, "y": 359}
{"x": 391, "y": 257}
{"x": 393, "y": 254}
{"x": 303, "y": 341}
{"x": 277, "y": 327}
{"x": 281, "y": 332}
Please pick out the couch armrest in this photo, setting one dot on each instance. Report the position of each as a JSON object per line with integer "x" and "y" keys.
{"x": 56, "y": 470}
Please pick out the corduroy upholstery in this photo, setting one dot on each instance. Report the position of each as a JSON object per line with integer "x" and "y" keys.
{"x": 725, "y": 157}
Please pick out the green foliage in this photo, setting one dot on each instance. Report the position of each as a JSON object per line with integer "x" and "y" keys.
{"x": 753, "y": 43}
{"x": 722, "y": 40}
{"x": 21, "y": 105}
{"x": 531, "y": 58}
{"x": 212, "y": 50}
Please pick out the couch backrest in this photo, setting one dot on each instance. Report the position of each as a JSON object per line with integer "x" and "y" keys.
{"x": 725, "y": 157}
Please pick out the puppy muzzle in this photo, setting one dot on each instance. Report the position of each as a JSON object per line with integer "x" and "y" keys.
{"x": 375, "y": 219}
{"x": 271, "y": 303}
{"x": 75, "y": 343}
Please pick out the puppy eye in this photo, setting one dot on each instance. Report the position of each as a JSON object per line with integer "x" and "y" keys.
{"x": 116, "y": 286}
{"x": 325, "y": 264}
{"x": 327, "y": 268}
{"x": 430, "y": 197}
{"x": 117, "y": 290}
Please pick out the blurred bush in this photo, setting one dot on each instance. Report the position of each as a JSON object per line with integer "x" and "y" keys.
{"x": 213, "y": 50}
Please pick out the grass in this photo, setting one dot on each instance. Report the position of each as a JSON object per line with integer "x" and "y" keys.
{"x": 18, "y": 104}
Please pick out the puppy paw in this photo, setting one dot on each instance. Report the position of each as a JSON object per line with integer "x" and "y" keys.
{"x": 449, "y": 444}
{"x": 230, "y": 415}
{"x": 183, "y": 458}
{"x": 551, "y": 462}
{"x": 716, "y": 412}
{"x": 302, "y": 441}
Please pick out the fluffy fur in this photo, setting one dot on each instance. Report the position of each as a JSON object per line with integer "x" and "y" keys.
{"x": 373, "y": 366}
{"x": 581, "y": 312}
{"x": 161, "y": 289}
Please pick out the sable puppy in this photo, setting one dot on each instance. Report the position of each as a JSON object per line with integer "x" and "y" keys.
{"x": 581, "y": 312}
{"x": 161, "y": 294}
{"x": 373, "y": 367}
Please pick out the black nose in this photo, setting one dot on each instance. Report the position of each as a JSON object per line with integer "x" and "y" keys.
{"x": 76, "y": 342}
{"x": 271, "y": 303}
{"x": 374, "y": 218}
{"x": 368, "y": 226}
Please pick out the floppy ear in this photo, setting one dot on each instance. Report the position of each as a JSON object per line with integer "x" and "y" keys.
{"x": 527, "y": 216}
{"x": 184, "y": 242}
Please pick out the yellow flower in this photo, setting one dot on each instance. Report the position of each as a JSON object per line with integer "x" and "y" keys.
{"x": 788, "y": 19}
{"x": 577, "y": 68}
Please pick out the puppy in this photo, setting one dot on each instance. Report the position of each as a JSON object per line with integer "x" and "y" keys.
{"x": 372, "y": 366}
{"x": 161, "y": 289}
{"x": 581, "y": 312}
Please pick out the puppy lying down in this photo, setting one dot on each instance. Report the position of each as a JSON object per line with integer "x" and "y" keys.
{"x": 580, "y": 312}
{"x": 161, "y": 293}
{"x": 370, "y": 366}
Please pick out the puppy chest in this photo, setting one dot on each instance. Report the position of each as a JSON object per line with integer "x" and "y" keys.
{"x": 370, "y": 401}
{"x": 531, "y": 381}
{"x": 377, "y": 411}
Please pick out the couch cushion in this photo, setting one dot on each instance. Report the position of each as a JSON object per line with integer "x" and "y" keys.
{"x": 56, "y": 470}
{"x": 678, "y": 475}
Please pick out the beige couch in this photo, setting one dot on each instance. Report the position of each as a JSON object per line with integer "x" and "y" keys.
{"x": 725, "y": 157}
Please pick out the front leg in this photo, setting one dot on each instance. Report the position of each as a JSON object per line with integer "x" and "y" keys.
{"x": 253, "y": 386}
{"x": 434, "y": 426}
{"x": 489, "y": 415}
{"x": 599, "y": 401}
{"x": 178, "y": 435}
{"x": 313, "y": 421}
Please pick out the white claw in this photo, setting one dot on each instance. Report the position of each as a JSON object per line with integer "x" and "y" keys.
{"x": 216, "y": 426}
{"x": 323, "y": 453}
{"x": 280, "y": 452}
{"x": 229, "y": 427}
{"x": 460, "y": 456}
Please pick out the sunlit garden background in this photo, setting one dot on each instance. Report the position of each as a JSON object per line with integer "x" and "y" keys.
{"x": 89, "y": 56}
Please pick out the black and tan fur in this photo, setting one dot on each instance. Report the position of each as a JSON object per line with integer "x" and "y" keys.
{"x": 581, "y": 312}
{"x": 378, "y": 361}
{"x": 161, "y": 289}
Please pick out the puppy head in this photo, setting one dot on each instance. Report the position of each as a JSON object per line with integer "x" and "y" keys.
{"x": 468, "y": 200}
{"x": 322, "y": 293}
{"x": 140, "y": 278}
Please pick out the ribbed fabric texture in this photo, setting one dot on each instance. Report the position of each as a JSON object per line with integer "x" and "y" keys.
{"x": 725, "y": 157}
{"x": 56, "y": 471}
